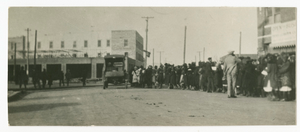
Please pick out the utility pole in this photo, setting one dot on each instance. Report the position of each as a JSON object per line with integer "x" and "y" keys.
{"x": 27, "y": 69}
{"x": 199, "y": 55}
{"x": 147, "y": 18}
{"x": 184, "y": 45}
{"x": 240, "y": 43}
{"x": 204, "y": 54}
{"x": 159, "y": 56}
{"x": 153, "y": 58}
{"x": 35, "y": 51}
{"x": 15, "y": 62}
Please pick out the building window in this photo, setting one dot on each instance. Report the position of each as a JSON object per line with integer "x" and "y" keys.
{"x": 39, "y": 45}
{"x": 74, "y": 55}
{"x": 86, "y": 55}
{"x": 108, "y": 43}
{"x": 51, "y": 45}
{"x": 74, "y": 44}
{"x": 99, "y": 54}
{"x": 11, "y": 57}
{"x": 99, "y": 43}
{"x": 85, "y": 43}
{"x": 125, "y": 42}
{"x": 62, "y": 44}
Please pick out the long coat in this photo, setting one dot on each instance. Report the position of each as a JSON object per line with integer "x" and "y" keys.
{"x": 272, "y": 76}
{"x": 249, "y": 76}
{"x": 172, "y": 76}
{"x": 285, "y": 76}
{"x": 218, "y": 77}
{"x": 160, "y": 77}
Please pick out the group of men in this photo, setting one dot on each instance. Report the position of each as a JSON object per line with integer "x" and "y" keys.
{"x": 43, "y": 76}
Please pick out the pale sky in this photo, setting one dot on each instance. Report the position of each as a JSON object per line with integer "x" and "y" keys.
{"x": 216, "y": 29}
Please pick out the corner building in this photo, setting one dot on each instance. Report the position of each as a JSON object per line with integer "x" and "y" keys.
{"x": 277, "y": 30}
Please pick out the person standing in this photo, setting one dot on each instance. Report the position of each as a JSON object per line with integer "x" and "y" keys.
{"x": 154, "y": 76}
{"x": 230, "y": 73}
{"x": 44, "y": 78}
{"x": 36, "y": 78}
{"x": 248, "y": 78}
{"x": 135, "y": 77}
{"x": 61, "y": 78}
{"x": 22, "y": 78}
{"x": 172, "y": 77}
{"x": 50, "y": 80}
{"x": 218, "y": 77}
{"x": 160, "y": 78}
{"x": 148, "y": 76}
{"x": 270, "y": 82}
{"x": 285, "y": 78}
{"x": 68, "y": 76}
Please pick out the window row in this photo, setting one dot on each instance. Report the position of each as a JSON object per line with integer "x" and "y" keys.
{"x": 62, "y": 44}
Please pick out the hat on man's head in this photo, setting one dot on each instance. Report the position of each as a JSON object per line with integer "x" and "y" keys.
{"x": 230, "y": 52}
{"x": 209, "y": 58}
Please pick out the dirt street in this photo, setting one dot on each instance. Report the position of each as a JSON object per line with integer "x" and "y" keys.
{"x": 144, "y": 107}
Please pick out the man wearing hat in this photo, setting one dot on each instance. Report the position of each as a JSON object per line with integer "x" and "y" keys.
{"x": 230, "y": 73}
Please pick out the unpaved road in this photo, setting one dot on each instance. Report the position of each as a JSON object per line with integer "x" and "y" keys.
{"x": 144, "y": 107}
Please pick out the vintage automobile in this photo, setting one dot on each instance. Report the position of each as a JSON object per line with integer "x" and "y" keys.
{"x": 115, "y": 70}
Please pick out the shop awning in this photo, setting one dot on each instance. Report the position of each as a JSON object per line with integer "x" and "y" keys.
{"x": 289, "y": 44}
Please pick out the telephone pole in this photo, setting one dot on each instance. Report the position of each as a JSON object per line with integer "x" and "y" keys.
{"x": 240, "y": 44}
{"x": 153, "y": 58}
{"x": 204, "y": 54}
{"x": 147, "y": 18}
{"x": 35, "y": 51}
{"x": 199, "y": 55}
{"x": 27, "y": 69}
{"x": 184, "y": 45}
{"x": 15, "y": 62}
{"x": 159, "y": 56}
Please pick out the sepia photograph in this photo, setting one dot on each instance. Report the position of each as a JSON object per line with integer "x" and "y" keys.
{"x": 151, "y": 66}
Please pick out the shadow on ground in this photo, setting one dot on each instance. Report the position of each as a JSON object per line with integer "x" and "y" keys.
{"x": 18, "y": 96}
{"x": 37, "y": 107}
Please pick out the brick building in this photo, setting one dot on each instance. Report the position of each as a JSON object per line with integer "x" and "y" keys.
{"x": 277, "y": 30}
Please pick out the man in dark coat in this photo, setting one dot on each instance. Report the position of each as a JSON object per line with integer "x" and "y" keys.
{"x": 148, "y": 76}
{"x": 36, "y": 78}
{"x": 160, "y": 77}
{"x": 22, "y": 78}
{"x": 248, "y": 77}
{"x": 210, "y": 77}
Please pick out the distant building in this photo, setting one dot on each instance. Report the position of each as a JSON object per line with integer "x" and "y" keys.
{"x": 20, "y": 47}
{"x": 75, "y": 51}
{"x": 277, "y": 30}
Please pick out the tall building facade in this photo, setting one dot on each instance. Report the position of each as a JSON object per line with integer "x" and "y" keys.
{"x": 277, "y": 30}
{"x": 74, "y": 51}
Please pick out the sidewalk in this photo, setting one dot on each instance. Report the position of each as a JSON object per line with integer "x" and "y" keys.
{"x": 30, "y": 86}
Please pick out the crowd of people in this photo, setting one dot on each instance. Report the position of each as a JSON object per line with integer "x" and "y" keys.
{"x": 271, "y": 75}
